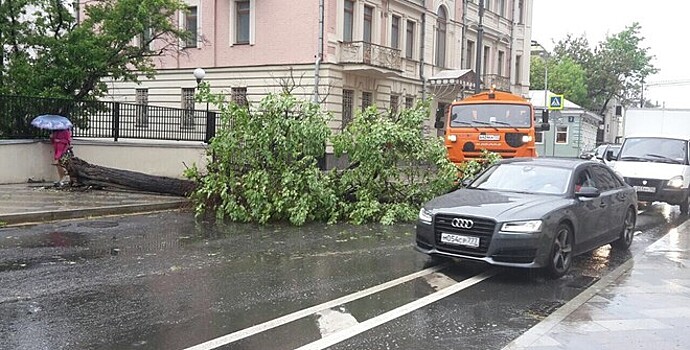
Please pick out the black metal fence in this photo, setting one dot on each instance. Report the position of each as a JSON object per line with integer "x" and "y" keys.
{"x": 98, "y": 119}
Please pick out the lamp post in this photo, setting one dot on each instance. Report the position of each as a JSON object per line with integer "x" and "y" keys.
{"x": 545, "y": 54}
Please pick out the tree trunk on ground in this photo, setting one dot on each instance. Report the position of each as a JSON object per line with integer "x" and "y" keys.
{"x": 88, "y": 174}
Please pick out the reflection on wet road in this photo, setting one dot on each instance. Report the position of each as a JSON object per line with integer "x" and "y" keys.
{"x": 163, "y": 281}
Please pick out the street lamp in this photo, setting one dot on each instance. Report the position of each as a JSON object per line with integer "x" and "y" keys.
{"x": 545, "y": 54}
{"x": 199, "y": 74}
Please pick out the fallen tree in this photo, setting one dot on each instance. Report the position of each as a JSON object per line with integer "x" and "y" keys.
{"x": 84, "y": 173}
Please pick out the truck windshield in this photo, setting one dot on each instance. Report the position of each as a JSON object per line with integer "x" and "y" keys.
{"x": 496, "y": 115}
{"x": 650, "y": 149}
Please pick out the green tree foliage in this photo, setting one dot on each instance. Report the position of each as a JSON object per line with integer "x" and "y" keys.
{"x": 262, "y": 165}
{"x": 47, "y": 53}
{"x": 615, "y": 68}
{"x": 394, "y": 167}
{"x": 565, "y": 77}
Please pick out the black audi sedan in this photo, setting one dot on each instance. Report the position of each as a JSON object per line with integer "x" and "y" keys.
{"x": 531, "y": 213}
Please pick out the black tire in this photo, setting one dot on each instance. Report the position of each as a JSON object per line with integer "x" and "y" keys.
{"x": 628, "y": 232}
{"x": 561, "y": 257}
{"x": 684, "y": 206}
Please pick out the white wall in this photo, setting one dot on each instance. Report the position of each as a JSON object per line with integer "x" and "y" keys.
{"x": 31, "y": 159}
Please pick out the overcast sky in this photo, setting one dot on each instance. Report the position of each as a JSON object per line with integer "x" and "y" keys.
{"x": 661, "y": 21}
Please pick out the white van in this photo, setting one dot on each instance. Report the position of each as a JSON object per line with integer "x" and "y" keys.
{"x": 657, "y": 167}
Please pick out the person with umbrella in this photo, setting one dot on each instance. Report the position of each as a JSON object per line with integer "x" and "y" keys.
{"x": 60, "y": 138}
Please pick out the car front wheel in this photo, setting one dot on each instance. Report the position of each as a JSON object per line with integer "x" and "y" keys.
{"x": 561, "y": 252}
{"x": 628, "y": 232}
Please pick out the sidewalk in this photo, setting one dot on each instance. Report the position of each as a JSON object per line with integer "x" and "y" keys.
{"x": 32, "y": 203}
{"x": 643, "y": 304}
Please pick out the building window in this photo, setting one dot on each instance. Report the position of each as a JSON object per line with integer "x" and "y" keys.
{"x": 242, "y": 19}
{"x": 487, "y": 60}
{"x": 366, "y": 99}
{"x": 562, "y": 134}
{"x": 190, "y": 24}
{"x": 188, "y": 107}
{"x": 348, "y": 20}
{"x": 142, "y": 101}
{"x": 518, "y": 76}
{"x": 409, "y": 40}
{"x": 501, "y": 62}
{"x": 487, "y": 5}
{"x": 441, "y": 37}
{"x": 521, "y": 12}
{"x": 239, "y": 96}
{"x": 409, "y": 102}
{"x": 469, "y": 54}
{"x": 502, "y": 8}
{"x": 539, "y": 137}
{"x": 348, "y": 104}
{"x": 145, "y": 38}
{"x": 368, "y": 23}
{"x": 395, "y": 32}
{"x": 395, "y": 99}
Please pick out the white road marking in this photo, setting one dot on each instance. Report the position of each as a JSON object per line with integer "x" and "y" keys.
{"x": 331, "y": 321}
{"x": 247, "y": 332}
{"x": 395, "y": 313}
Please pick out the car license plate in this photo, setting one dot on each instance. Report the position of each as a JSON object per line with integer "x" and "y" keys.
{"x": 646, "y": 189}
{"x": 460, "y": 240}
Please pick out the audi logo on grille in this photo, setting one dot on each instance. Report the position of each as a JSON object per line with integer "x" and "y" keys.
{"x": 462, "y": 223}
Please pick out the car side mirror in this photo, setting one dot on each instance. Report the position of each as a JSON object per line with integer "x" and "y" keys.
{"x": 609, "y": 155}
{"x": 588, "y": 192}
{"x": 439, "y": 124}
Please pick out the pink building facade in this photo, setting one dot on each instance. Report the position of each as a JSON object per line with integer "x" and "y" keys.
{"x": 387, "y": 53}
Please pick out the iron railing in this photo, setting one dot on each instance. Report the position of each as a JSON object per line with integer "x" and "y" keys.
{"x": 360, "y": 52}
{"x": 99, "y": 119}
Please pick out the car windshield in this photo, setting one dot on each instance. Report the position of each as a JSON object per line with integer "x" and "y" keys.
{"x": 495, "y": 115}
{"x": 525, "y": 178}
{"x": 650, "y": 149}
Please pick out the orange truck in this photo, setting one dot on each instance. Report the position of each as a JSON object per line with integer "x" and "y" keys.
{"x": 495, "y": 121}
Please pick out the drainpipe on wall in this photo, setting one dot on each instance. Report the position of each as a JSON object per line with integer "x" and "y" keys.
{"x": 319, "y": 55}
{"x": 464, "y": 33}
{"x": 421, "y": 58}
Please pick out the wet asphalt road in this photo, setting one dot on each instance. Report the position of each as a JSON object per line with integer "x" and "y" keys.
{"x": 162, "y": 281}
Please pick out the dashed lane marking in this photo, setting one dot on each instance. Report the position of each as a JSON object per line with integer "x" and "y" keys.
{"x": 247, "y": 332}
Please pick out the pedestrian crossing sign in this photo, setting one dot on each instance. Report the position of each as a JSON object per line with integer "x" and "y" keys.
{"x": 556, "y": 102}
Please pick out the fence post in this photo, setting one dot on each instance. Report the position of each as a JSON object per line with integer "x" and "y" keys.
{"x": 210, "y": 126}
{"x": 116, "y": 120}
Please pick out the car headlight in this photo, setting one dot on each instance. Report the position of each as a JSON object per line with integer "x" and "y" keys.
{"x": 425, "y": 216}
{"x": 526, "y": 138}
{"x": 452, "y": 138}
{"x": 530, "y": 226}
{"x": 676, "y": 181}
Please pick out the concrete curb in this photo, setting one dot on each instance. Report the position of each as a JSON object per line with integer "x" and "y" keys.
{"x": 542, "y": 328}
{"x": 43, "y": 216}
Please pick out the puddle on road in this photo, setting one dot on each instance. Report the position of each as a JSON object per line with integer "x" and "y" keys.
{"x": 46, "y": 240}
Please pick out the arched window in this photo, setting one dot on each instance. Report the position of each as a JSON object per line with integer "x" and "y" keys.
{"x": 441, "y": 37}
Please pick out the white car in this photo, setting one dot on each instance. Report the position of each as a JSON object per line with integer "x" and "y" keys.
{"x": 606, "y": 153}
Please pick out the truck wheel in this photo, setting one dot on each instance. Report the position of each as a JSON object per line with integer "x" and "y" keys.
{"x": 684, "y": 205}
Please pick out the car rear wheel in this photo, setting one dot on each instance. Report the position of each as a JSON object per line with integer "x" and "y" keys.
{"x": 628, "y": 232}
{"x": 561, "y": 252}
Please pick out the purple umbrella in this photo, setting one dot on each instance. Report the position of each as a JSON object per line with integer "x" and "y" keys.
{"x": 51, "y": 122}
